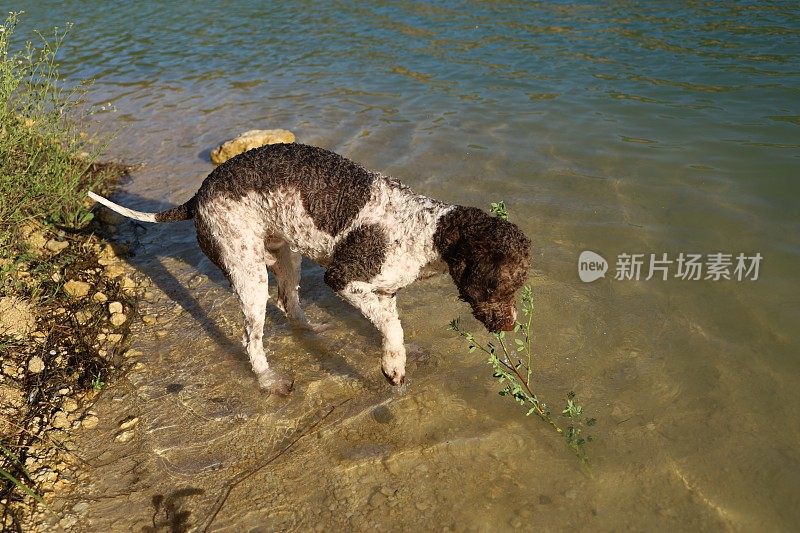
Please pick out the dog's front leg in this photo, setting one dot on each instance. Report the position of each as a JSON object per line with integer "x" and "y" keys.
{"x": 381, "y": 310}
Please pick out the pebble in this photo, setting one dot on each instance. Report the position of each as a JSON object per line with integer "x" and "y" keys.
{"x": 114, "y": 337}
{"x": 76, "y": 289}
{"x": 114, "y": 271}
{"x": 128, "y": 422}
{"x": 56, "y": 246}
{"x": 60, "y": 420}
{"x": 80, "y": 508}
{"x": 115, "y": 307}
{"x": 100, "y": 297}
{"x": 132, "y": 353}
{"x": 35, "y": 365}
{"x": 68, "y": 521}
{"x": 117, "y": 319}
{"x": 90, "y": 421}
{"x": 69, "y": 405}
{"x": 127, "y": 284}
{"x": 124, "y": 436}
{"x": 149, "y": 319}
{"x": 36, "y": 240}
{"x": 83, "y": 317}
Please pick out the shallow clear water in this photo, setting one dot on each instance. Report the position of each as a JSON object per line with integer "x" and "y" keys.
{"x": 621, "y": 128}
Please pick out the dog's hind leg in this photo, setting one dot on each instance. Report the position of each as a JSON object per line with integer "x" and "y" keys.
{"x": 287, "y": 273}
{"x": 244, "y": 260}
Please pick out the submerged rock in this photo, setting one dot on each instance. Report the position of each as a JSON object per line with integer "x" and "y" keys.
{"x": 247, "y": 141}
{"x": 90, "y": 421}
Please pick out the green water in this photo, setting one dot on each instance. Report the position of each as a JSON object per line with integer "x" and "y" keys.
{"x": 616, "y": 128}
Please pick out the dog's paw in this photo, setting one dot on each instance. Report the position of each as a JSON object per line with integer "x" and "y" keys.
{"x": 273, "y": 383}
{"x": 395, "y": 378}
{"x": 393, "y": 365}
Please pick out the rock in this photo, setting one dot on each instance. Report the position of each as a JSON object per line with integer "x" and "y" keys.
{"x": 16, "y": 317}
{"x": 128, "y": 422}
{"x": 114, "y": 338}
{"x": 77, "y": 289}
{"x": 114, "y": 271}
{"x": 124, "y": 436}
{"x": 132, "y": 353}
{"x": 247, "y": 141}
{"x": 81, "y": 508}
{"x": 69, "y": 405}
{"x": 60, "y": 420}
{"x": 90, "y": 421}
{"x": 99, "y": 297}
{"x": 115, "y": 307}
{"x": 127, "y": 285}
{"x": 56, "y": 246}
{"x": 36, "y": 240}
{"x": 149, "y": 319}
{"x": 83, "y": 317}
{"x": 68, "y": 521}
{"x": 35, "y": 365}
{"x": 117, "y": 319}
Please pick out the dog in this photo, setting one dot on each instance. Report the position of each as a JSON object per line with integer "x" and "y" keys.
{"x": 267, "y": 207}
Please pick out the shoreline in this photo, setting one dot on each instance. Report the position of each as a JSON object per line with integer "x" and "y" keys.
{"x": 67, "y": 306}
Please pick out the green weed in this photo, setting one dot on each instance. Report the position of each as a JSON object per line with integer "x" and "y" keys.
{"x": 45, "y": 157}
{"x": 499, "y": 209}
{"x": 511, "y": 359}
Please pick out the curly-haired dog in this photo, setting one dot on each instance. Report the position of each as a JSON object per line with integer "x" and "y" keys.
{"x": 269, "y": 206}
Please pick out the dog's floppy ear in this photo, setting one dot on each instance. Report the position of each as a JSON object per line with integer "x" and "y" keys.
{"x": 486, "y": 255}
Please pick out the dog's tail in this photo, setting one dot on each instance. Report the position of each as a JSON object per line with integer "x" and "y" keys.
{"x": 184, "y": 211}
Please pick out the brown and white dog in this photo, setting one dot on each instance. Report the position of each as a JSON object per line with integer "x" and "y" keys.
{"x": 269, "y": 206}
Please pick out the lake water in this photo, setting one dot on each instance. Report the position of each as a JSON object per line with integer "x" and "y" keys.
{"x": 620, "y": 128}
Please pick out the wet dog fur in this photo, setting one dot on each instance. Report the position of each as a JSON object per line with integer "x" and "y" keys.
{"x": 266, "y": 208}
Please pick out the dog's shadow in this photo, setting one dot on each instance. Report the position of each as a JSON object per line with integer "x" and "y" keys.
{"x": 145, "y": 254}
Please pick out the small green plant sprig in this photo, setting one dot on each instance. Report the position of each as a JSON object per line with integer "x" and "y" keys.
{"x": 98, "y": 383}
{"x": 512, "y": 366}
{"x": 499, "y": 209}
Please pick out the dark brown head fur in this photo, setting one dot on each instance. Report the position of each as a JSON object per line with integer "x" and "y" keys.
{"x": 488, "y": 258}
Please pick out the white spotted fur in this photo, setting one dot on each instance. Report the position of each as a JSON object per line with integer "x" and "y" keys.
{"x": 272, "y": 229}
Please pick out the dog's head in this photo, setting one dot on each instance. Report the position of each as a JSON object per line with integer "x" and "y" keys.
{"x": 488, "y": 259}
